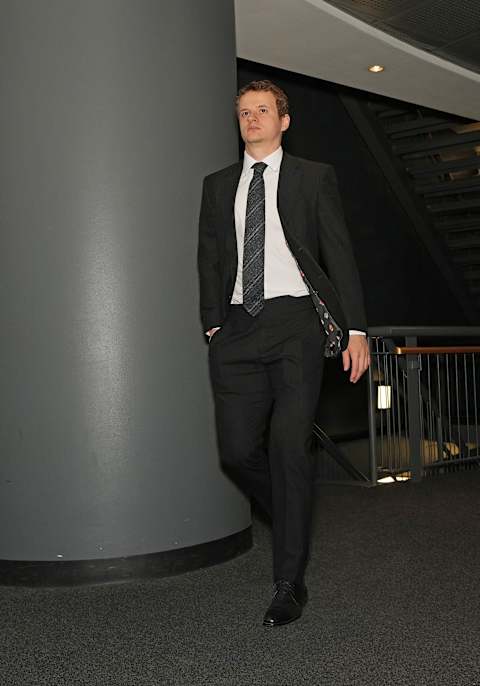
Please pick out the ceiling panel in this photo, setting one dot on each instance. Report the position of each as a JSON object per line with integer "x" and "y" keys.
{"x": 449, "y": 29}
{"x": 315, "y": 38}
{"x": 377, "y": 8}
{"x": 466, "y": 51}
{"x": 438, "y": 23}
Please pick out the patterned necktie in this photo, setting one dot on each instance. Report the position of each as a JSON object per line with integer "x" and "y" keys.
{"x": 254, "y": 243}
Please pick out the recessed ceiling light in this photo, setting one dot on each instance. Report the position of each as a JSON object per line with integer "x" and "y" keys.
{"x": 376, "y": 68}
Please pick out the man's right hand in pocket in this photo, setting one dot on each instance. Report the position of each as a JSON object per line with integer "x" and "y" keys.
{"x": 211, "y": 332}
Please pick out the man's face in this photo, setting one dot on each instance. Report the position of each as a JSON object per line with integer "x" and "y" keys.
{"x": 258, "y": 118}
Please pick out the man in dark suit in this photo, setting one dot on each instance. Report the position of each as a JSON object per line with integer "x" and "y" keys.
{"x": 279, "y": 291}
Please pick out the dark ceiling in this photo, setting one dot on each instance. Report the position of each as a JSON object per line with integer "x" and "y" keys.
{"x": 447, "y": 28}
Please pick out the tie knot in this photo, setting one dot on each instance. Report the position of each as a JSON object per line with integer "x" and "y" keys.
{"x": 259, "y": 168}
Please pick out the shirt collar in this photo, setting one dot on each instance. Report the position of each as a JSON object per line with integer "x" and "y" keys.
{"x": 273, "y": 160}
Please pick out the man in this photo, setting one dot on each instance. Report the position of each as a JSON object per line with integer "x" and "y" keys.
{"x": 279, "y": 290}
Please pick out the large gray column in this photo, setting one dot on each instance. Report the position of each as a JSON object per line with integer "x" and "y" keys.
{"x": 112, "y": 112}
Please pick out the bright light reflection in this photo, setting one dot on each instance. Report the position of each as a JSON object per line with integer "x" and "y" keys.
{"x": 392, "y": 480}
{"x": 103, "y": 329}
{"x": 384, "y": 397}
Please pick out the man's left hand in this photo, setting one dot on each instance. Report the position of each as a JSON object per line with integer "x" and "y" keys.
{"x": 356, "y": 357}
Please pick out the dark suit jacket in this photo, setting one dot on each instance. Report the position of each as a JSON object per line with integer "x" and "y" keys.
{"x": 314, "y": 226}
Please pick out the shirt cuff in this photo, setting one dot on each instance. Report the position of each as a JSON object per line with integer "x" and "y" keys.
{"x": 354, "y": 332}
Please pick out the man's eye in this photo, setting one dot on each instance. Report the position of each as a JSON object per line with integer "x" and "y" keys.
{"x": 243, "y": 114}
{"x": 263, "y": 110}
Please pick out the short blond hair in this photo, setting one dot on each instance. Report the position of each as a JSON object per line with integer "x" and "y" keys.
{"x": 280, "y": 96}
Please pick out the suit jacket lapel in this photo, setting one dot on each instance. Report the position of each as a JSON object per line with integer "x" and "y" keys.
{"x": 289, "y": 181}
{"x": 228, "y": 193}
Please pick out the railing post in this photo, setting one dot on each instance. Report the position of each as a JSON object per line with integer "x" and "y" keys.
{"x": 414, "y": 423}
{"x": 372, "y": 424}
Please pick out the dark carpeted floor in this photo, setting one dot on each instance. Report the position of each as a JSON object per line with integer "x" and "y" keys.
{"x": 394, "y": 588}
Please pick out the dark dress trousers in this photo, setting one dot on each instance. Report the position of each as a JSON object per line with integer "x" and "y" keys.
{"x": 266, "y": 370}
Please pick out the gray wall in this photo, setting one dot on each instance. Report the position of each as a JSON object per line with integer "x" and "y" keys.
{"x": 112, "y": 112}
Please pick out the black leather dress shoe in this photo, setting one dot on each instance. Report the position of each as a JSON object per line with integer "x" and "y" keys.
{"x": 287, "y": 604}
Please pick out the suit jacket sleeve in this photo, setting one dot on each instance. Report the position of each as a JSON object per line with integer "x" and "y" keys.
{"x": 337, "y": 251}
{"x": 208, "y": 264}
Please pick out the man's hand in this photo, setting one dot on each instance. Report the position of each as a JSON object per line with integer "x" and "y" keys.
{"x": 356, "y": 357}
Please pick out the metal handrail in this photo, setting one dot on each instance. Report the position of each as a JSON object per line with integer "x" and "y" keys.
{"x": 407, "y": 350}
{"x": 417, "y": 385}
{"x": 434, "y": 331}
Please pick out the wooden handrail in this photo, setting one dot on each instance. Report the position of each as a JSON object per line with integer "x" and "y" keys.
{"x": 411, "y": 350}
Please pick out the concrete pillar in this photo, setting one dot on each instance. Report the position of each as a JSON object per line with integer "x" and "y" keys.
{"x": 112, "y": 112}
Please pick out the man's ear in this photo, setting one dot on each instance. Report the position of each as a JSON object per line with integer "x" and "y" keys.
{"x": 285, "y": 122}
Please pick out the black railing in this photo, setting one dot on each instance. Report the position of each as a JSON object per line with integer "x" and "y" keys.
{"x": 424, "y": 401}
{"x": 348, "y": 470}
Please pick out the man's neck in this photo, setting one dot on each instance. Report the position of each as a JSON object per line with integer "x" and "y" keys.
{"x": 259, "y": 152}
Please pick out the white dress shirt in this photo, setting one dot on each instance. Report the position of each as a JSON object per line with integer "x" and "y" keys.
{"x": 281, "y": 273}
